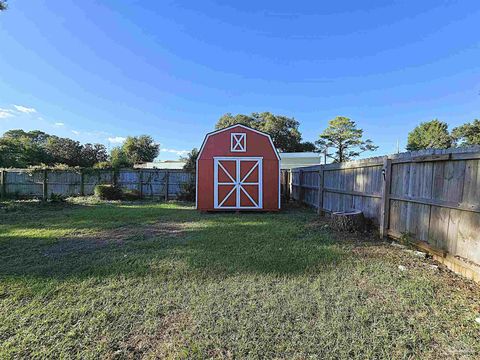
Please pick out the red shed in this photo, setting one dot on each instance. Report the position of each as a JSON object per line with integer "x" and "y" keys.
{"x": 238, "y": 168}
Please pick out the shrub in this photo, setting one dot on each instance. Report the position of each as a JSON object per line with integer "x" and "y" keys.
{"x": 131, "y": 194}
{"x": 9, "y": 207}
{"x": 56, "y": 166}
{"x": 102, "y": 165}
{"x": 57, "y": 198}
{"x": 108, "y": 192}
{"x": 187, "y": 192}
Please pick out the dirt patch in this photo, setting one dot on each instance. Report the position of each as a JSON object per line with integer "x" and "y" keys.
{"x": 147, "y": 232}
{"x": 368, "y": 245}
{"x": 74, "y": 245}
{"x": 88, "y": 242}
{"x": 322, "y": 223}
{"x": 166, "y": 343}
{"x": 164, "y": 229}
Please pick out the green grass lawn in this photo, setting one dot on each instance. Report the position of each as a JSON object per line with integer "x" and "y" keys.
{"x": 90, "y": 280}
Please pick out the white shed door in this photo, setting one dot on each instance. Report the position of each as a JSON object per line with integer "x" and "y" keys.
{"x": 238, "y": 183}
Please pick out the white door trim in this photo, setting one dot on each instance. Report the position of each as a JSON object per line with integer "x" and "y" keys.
{"x": 238, "y": 182}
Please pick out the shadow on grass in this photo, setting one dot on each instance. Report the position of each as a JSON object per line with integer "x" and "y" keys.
{"x": 164, "y": 240}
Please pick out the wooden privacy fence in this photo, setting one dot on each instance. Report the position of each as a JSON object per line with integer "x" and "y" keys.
{"x": 431, "y": 197}
{"x": 24, "y": 183}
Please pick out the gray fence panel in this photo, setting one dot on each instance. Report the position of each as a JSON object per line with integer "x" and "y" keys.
{"x": 24, "y": 183}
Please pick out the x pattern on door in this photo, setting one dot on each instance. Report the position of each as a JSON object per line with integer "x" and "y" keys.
{"x": 238, "y": 183}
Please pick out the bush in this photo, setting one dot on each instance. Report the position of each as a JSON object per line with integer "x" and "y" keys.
{"x": 56, "y": 166}
{"x": 112, "y": 192}
{"x": 102, "y": 165}
{"x": 131, "y": 194}
{"x": 57, "y": 198}
{"x": 108, "y": 192}
{"x": 187, "y": 192}
{"x": 9, "y": 207}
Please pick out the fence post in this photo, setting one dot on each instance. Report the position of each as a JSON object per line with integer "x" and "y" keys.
{"x": 115, "y": 177}
{"x": 3, "y": 184}
{"x": 140, "y": 182}
{"x": 385, "y": 206}
{"x": 167, "y": 175}
{"x": 301, "y": 192}
{"x": 321, "y": 174}
{"x": 82, "y": 183}
{"x": 45, "y": 185}
{"x": 290, "y": 186}
{"x": 286, "y": 175}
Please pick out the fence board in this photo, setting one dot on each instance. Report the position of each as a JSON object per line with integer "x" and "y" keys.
{"x": 471, "y": 187}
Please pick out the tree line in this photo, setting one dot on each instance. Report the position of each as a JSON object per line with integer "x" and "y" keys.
{"x": 343, "y": 140}
{"x": 434, "y": 134}
{"x": 341, "y": 136}
{"x": 22, "y": 149}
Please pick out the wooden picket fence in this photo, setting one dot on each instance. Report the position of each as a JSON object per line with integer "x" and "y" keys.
{"x": 431, "y": 197}
{"x": 155, "y": 183}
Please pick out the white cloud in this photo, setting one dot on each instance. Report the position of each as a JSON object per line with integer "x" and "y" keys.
{"x": 59, "y": 124}
{"x": 5, "y": 113}
{"x": 76, "y": 132}
{"x": 175, "y": 151}
{"x": 24, "y": 109}
{"x": 117, "y": 139}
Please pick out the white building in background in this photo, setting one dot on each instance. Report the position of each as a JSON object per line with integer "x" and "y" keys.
{"x": 165, "y": 164}
{"x": 298, "y": 159}
{"x": 288, "y": 160}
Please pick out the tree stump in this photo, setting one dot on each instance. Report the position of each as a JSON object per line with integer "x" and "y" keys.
{"x": 351, "y": 220}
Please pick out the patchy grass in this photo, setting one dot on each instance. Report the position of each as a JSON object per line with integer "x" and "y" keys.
{"x": 116, "y": 280}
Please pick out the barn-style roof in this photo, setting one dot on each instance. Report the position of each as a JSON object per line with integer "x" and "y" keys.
{"x": 234, "y": 126}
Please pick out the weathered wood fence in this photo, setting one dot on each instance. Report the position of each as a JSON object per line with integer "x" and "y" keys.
{"x": 24, "y": 183}
{"x": 431, "y": 197}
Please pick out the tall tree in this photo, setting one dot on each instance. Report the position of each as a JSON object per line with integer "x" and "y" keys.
{"x": 140, "y": 149}
{"x": 11, "y": 153}
{"x": 467, "y": 134}
{"x": 119, "y": 159}
{"x": 92, "y": 154}
{"x": 343, "y": 135}
{"x": 26, "y": 148}
{"x": 35, "y": 136}
{"x": 64, "y": 151}
{"x": 307, "y": 146}
{"x": 3, "y": 5}
{"x": 282, "y": 129}
{"x": 429, "y": 135}
{"x": 228, "y": 119}
{"x": 191, "y": 160}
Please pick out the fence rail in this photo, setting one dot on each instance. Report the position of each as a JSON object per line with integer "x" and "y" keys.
{"x": 24, "y": 183}
{"x": 430, "y": 196}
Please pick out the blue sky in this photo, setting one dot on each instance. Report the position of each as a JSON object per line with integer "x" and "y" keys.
{"x": 97, "y": 71}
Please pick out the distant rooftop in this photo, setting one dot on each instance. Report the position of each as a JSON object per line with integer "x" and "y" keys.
{"x": 289, "y": 160}
{"x": 165, "y": 164}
